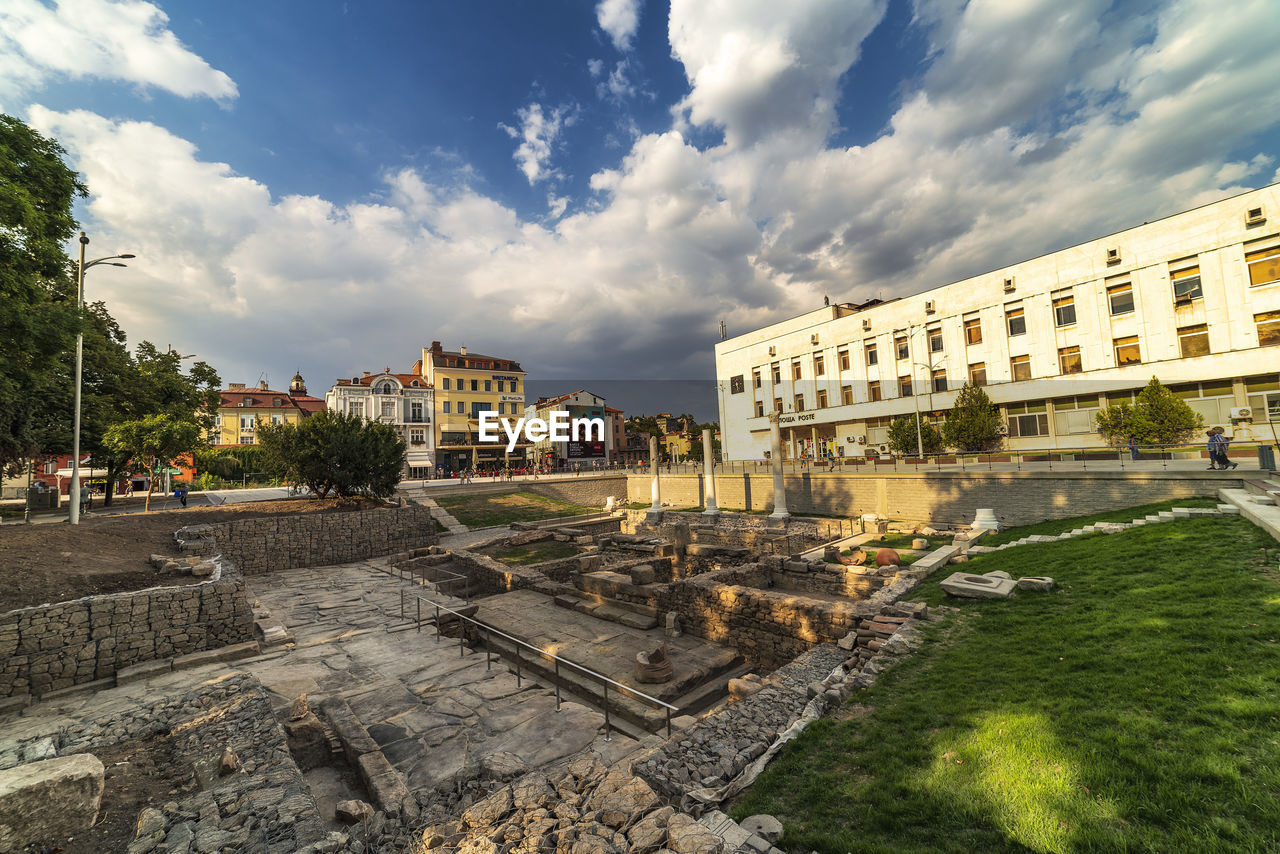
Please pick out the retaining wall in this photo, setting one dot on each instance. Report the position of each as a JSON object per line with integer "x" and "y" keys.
{"x": 47, "y": 647}
{"x": 941, "y": 498}
{"x": 312, "y": 539}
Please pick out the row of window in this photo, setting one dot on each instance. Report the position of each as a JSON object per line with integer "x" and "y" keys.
{"x": 481, "y": 365}
{"x": 459, "y": 407}
{"x": 1192, "y": 341}
{"x": 460, "y": 384}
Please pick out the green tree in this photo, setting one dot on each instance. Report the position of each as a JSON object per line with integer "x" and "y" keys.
{"x": 38, "y": 317}
{"x": 973, "y": 424}
{"x": 903, "y": 438}
{"x": 335, "y": 452}
{"x": 1157, "y": 417}
{"x": 155, "y": 441}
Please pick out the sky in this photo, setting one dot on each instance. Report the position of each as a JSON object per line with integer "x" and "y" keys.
{"x": 590, "y": 188}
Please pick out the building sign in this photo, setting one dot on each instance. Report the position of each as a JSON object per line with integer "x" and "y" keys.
{"x": 511, "y": 398}
{"x": 505, "y": 377}
{"x": 791, "y": 419}
{"x": 585, "y": 450}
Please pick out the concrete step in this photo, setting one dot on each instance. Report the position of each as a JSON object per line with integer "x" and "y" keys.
{"x": 1258, "y": 509}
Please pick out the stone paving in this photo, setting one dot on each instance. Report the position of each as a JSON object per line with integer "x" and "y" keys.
{"x": 434, "y": 708}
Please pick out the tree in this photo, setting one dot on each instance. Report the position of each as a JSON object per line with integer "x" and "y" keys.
{"x": 973, "y": 424}
{"x": 335, "y": 452}
{"x": 156, "y": 439}
{"x": 1157, "y": 417}
{"x": 38, "y": 312}
{"x": 903, "y": 438}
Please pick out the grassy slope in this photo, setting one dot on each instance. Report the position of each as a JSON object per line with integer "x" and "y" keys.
{"x": 1058, "y": 526}
{"x": 1133, "y": 709}
{"x": 482, "y": 511}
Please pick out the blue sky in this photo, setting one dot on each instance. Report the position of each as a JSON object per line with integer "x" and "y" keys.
{"x": 590, "y": 187}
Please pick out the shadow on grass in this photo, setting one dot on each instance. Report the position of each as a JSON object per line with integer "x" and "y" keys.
{"x": 1133, "y": 709}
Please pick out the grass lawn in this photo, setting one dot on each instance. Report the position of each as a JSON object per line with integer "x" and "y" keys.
{"x": 903, "y": 541}
{"x": 1135, "y": 708}
{"x": 482, "y": 511}
{"x": 1059, "y": 526}
{"x": 532, "y": 552}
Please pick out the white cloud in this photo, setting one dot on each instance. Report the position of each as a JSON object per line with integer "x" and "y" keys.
{"x": 538, "y": 133}
{"x": 126, "y": 40}
{"x": 618, "y": 87}
{"x": 620, "y": 19}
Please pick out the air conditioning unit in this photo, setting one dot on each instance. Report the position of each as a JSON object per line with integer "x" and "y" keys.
{"x": 1113, "y": 256}
{"x": 866, "y": 325}
{"x": 773, "y": 351}
{"x": 813, "y": 339}
{"x": 1242, "y": 413}
{"x": 884, "y": 449}
{"x": 930, "y": 307}
{"x": 1003, "y": 429}
{"x": 1009, "y": 285}
{"x": 861, "y": 440}
{"x": 1254, "y": 217}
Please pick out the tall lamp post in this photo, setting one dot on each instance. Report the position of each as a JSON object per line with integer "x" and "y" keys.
{"x": 74, "y": 517}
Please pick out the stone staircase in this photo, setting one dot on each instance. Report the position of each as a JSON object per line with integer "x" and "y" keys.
{"x": 442, "y": 516}
{"x": 1226, "y": 509}
{"x": 1257, "y": 502}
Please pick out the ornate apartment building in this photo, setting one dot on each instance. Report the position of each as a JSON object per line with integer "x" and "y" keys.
{"x": 1193, "y": 299}
{"x": 405, "y": 401}
{"x": 465, "y": 385}
{"x": 241, "y": 408}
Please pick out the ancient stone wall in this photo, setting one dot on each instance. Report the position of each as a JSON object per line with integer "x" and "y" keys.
{"x": 587, "y": 491}
{"x": 48, "y": 647}
{"x": 942, "y": 498}
{"x": 271, "y": 543}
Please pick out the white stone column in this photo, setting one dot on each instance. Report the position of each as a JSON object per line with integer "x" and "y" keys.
{"x": 709, "y": 474}
{"x": 653, "y": 467}
{"x": 779, "y": 488}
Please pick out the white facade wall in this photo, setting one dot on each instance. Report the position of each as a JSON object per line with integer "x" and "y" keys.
{"x": 1216, "y": 236}
{"x": 386, "y": 398}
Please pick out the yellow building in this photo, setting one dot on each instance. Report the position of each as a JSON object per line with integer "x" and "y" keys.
{"x": 241, "y": 409}
{"x": 467, "y": 384}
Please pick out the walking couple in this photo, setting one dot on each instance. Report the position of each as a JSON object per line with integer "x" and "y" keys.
{"x": 1218, "y": 450}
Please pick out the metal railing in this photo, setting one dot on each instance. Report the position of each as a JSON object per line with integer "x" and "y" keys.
{"x": 489, "y": 632}
{"x": 407, "y": 574}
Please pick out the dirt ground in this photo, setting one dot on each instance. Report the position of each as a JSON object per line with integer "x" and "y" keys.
{"x": 56, "y": 562}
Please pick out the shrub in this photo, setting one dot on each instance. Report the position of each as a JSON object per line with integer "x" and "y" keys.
{"x": 973, "y": 424}
{"x": 334, "y": 452}
{"x": 1157, "y": 417}
{"x": 903, "y": 438}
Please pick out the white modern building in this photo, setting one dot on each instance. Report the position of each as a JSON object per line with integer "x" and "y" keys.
{"x": 1193, "y": 299}
{"x": 405, "y": 401}
{"x": 586, "y": 451}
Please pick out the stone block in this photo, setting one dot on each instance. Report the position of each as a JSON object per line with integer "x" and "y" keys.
{"x": 968, "y": 586}
{"x": 766, "y": 827}
{"x": 43, "y": 800}
{"x": 1042, "y": 583}
{"x": 233, "y": 652}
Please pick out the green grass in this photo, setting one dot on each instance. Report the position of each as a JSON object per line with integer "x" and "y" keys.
{"x": 483, "y": 511}
{"x": 532, "y": 552}
{"x": 1057, "y": 526}
{"x": 1134, "y": 709}
{"x": 903, "y": 541}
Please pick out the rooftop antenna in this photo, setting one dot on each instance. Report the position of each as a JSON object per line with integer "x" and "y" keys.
{"x": 724, "y": 331}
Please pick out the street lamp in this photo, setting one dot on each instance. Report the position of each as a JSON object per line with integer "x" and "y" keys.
{"x": 915, "y": 398}
{"x": 74, "y": 517}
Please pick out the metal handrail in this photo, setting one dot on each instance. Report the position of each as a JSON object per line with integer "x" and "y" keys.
{"x": 490, "y": 631}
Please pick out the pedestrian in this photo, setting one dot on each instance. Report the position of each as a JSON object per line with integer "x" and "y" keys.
{"x": 1213, "y": 450}
{"x": 181, "y": 492}
{"x": 1133, "y": 446}
{"x": 1223, "y": 442}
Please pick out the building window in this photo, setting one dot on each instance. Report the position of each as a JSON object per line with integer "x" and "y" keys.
{"x": 356, "y": 407}
{"x": 1264, "y": 266}
{"x": 1074, "y": 414}
{"x": 1121, "y": 298}
{"x": 822, "y": 400}
{"x": 736, "y": 385}
{"x": 1020, "y": 367}
{"x": 799, "y": 401}
{"x": 1064, "y": 311}
{"x": 935, "y": 340}
{"x": 276, "y": 419}
{"x": 755, "y": 379}
{"x": 1017, "y": 322}
{"x": 777, "y": 373}
{"x": 388, "y": 409}
{"x": 415, "y": 411}
{"x": 446, "y": 407}
{"x": 904, "y": 386}
{"x": 795, "y": 370}
{"x": 1194, "y": 340}
{"x": 246, "y": 440}
{"x": 759, "y": 408}
{"x": 1028, "y": 419}
{"x": 1069, "y": 361}
{"x": 475, "y": 385}
{"x": 972, "y": 330}
{"x": 777, "y": 404}
{"x": 416, "y": 437}
{"x": 873, "y": 391}
{"x": 1268, "y": 328}
{"x": 872, "y": 357}
{"x": 1186, "y": 284}
{"x": 488, "y": 385}
{"x": 904, "y": 349}
{"x": 514, "y": 384}
{"x": 446, "y": 383}
{"x": 1127, "y": 351}
{"x": 844, "y": 359}
{"x": 939, "y": 378}
{"x": 846, "y": 395}
{"x": 978, "y": 374}
{"x": 819, "y": 366}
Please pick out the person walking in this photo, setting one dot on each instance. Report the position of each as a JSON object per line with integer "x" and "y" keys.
{"x": 1133, "y": 446}
{"x": 1223, "y": 442}
{"x": 1213, "y": 450}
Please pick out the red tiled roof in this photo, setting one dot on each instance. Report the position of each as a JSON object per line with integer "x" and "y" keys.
{"x": 405, "y": 380}
{"x": 262, "y": 398}
{"x": 440, "y": 360}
